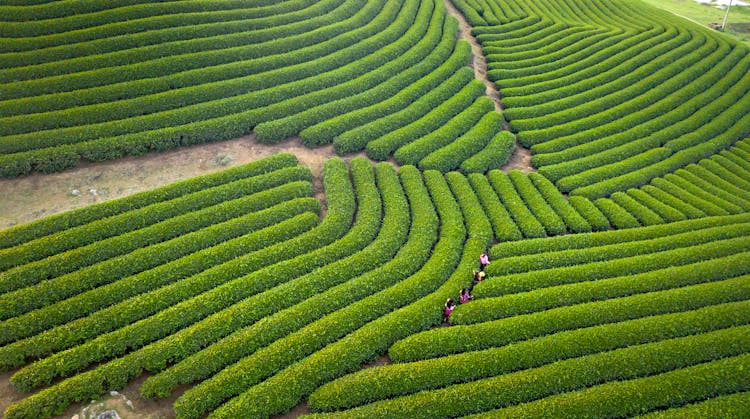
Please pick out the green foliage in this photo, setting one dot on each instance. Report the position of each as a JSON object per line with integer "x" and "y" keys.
{"x": 642, "y": 213}
{"x": 503, "y": 225}
{"x": 100, "y": 240}
{"x": 636, "y": 395}
{"x": 573, "y": 220}
{"x": 488, "y": 307}
{"x": 582, "y": 241}
{"x": 394, "y": 113}
{"x": 298, "y": 302}
{"x": 327, "y": 330}
{"x": 590, "y": 213}
{"x": 666, "y": 212}
{"x": 382, "y": 147}
{"x": 687, "y": 355}
{"x": 552, "y": 222}
{"x": 394, "y": 380}
{"x": 440, "y": 342}
{"x": 497, "y": 153}
{"x": 474, "y": 140}
{"x": 732, "y": 405}
{"x": 525, "y": 220}
{"x": 49, "y": 225}
{"x": 168, "y": 262}
{"x": 618, "y": 216}
{"x": 414, "y": 152}
{"x": 406, "y": 58}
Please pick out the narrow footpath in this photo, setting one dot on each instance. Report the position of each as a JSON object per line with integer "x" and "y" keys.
{"x": 521, "y": 158}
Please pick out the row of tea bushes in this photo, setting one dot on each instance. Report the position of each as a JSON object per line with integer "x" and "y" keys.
{"x": 348, "y": 72}
{"x": 611, "y": 111}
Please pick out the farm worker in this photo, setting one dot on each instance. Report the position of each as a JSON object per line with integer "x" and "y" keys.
{"x": 484, "y": 260}
{"x": 465, "y": 296}
{"x": 450, "y": 305}
{"x": 478, "y": 277}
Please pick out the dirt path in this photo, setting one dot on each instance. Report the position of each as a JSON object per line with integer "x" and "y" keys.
{"x": 28, "y": 198}
{"x": 521, "y": 158}
{"x": 478, "y": 61}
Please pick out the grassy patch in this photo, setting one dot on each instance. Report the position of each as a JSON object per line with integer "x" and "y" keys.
{"x": 738, "y": 24}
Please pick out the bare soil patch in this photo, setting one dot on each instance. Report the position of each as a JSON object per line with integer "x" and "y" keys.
{"x": 28, "y": 198}
{"x": 8, "y": 394}
{"x": 520, "y": 160}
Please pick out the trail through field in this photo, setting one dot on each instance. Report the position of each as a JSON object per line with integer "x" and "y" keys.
{"x": 521, "y": 157}
{"x": 478, "y": 61}
{"x": 39, "y": 195}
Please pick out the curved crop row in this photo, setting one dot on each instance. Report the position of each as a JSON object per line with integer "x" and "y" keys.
{"x": 365, "y": 343}
{"x": 444, "y": 79}
{"x": 685, "y": 355}
{"x": 502, "y": 224}
{"x": 472, "y": 337}
{"x": 32, "y": 20}
{"x": 401, "y": 69}
{"x": 462, "y": 148}
{"x": 329, "y": 328}
{"x": 122, "y": 130}
{"x": 526, "y": 221}
{"x": 568, "y": 257}
{"x": 380, "y": 148}
{"x": 187, "y": 256}
{"x": 586, "y": 148}
{"x": 156, "y": 30}
{"x": 583, "y": 241}
{"x": 189, "y": 54}
{"x": 80, "y": 247}
{"x": 24, "y": 233}
{"x": 653, "y": 76}
{"x": 590, "y": 212}
{"x": 298, "y": 302}
{"x": 488, "y": 308}
{"x": 243, "y": 78}
{"x": 359, "y": 137}
{"x": 495, "y": 154}
{"x": 672, "y": 93}
{"x": 229, "y": 286}
{"x": 552, "y": 222}
{"x": 734, "y": 404}
{"x": 394, "y": 380}
{"x": 341, "y": 211}
{"x": 44, "y": 282}
{"x": 720, "y": 376}
{"x": 609, "y": 268}
{"x": 414, "y": 152}
{"x": 573, "y": 220}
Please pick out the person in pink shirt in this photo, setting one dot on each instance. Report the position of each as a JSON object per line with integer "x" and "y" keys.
{"x": 450, "y": 305}
{"x": 484, "y": 260}
{"x": 464, "y": 297}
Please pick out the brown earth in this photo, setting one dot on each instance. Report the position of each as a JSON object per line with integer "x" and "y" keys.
{"x": 28, "y": 198}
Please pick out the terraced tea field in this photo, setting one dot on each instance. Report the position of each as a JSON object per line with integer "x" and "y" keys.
{"x": 619, "y": 281}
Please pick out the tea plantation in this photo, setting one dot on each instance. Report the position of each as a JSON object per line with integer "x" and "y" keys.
{"x": 619, "y": 281}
